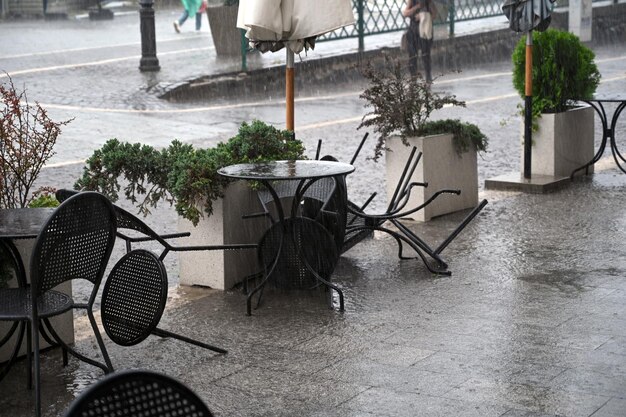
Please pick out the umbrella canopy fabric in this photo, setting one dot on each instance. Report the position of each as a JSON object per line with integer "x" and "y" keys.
{"x": 292, "y": 21}
{"x": 526, "y": 15}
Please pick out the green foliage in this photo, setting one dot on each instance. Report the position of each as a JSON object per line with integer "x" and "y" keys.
{"x": 45, "y": 200}
{"x": 465, "y": 135}
{"x": 563, "y": 70}
{"x": 180, "y": 174}
{"x": 401, "y": 104}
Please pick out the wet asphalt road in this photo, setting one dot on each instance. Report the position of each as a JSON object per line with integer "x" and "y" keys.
{"x": 532, "y": 322}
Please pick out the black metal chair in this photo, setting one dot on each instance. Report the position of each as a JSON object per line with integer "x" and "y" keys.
{"x": 75, "y": 243}
{"x": 396, "y": 210}
{"x": 138, "y": 393}
{"x": 133, "y": 300}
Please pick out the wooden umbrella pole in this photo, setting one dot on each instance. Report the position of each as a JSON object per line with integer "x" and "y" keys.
{"x": 289, "y": 87}
{"x": 528, "y": 105}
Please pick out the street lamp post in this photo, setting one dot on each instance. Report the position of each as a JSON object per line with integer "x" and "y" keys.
{"x": 149, "y": 60}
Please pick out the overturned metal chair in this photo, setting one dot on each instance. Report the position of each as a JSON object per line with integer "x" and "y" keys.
{"x": 134, "y": 298}
{"x": 138, "y": 393}
{"x": 396, "y": 210}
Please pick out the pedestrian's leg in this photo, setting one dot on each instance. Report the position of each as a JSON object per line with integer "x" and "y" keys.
{"x": 198, "y": 21}
{"x": 178, "y": 23}
{"x": 412, "y": 44}
{"x": 425, "y": 47}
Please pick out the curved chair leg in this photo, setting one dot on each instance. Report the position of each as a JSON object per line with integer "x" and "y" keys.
{"x": 165, "y": 333}
{"x": 29, "y": 357}
{"x": 408, "y": 242}
{"x": 35, "y": 343}
{"x": 16, "y": 349}
{"x": 264, "y": 280}
{"x": 48, "y": 338}
{"x": 106, "y": 368}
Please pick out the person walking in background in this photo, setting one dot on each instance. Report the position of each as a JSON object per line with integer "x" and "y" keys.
{"x": 192, "y": 8}
{"x": 420, "y": 34}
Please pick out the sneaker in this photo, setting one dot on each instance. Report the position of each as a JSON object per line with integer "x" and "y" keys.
{"x": 176, "y": 26}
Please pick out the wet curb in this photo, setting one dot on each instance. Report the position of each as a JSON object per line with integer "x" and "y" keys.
{"x": 447, "y": 54}
{"x": 451, "y": 54}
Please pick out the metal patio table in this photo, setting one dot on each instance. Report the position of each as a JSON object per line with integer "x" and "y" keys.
{"x": 298, "y": 236}
{"x": 21, "y": 223}
{"x": 608, "y": 130}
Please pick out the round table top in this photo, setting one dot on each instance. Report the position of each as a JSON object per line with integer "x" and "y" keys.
{"x": 23, "y": 222}
{"x": 286, "y": 170}
{"x": 608, "y": 98}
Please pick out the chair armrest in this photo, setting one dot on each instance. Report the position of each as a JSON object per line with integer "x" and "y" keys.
{"x": 397, "y": 213}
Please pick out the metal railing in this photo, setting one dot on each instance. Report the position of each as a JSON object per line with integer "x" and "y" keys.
{"x": 382, "y": 16}
{"x": 375, "y": 17}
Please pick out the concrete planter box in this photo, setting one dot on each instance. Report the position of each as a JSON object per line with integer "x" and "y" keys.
{"x": 441, "y": 167}
{"x": 563, "y": 142}
{"x": 63, "y": 324}
{"x": 223, "y": 23}
{"x": 223, "y": 269}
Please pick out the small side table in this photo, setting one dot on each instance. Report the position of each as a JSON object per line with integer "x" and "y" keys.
{"x": 608, "y": 130}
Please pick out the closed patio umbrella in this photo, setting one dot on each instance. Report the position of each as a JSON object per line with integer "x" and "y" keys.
{"x": 294, "y": 24}
{"x": 526, "y": 16}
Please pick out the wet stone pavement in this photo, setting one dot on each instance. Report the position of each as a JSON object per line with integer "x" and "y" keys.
{"x": 532, "y": 322}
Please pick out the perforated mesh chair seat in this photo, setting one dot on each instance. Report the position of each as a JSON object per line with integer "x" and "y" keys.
{"x": 16, "y": 304}
{"x": 134, "y": 298}
{"x": 138, "y": 394}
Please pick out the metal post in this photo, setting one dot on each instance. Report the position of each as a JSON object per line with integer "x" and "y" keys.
{"x": 244, "y": 51}
{"x": 528, "y": 105}
{"x": 452, "y": 16}
{"x": 361, "y": 24}
{"x": 149, "y": 60}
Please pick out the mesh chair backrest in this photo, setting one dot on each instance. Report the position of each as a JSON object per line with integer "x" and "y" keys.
{"x": 310, "y": 243}
{"x": 134, "y": 297}
{"x": 63, "y": 194}
{"x": 125, "y": 220}
{"x": 138, "y": 394}
{"x": 75, "y": 242}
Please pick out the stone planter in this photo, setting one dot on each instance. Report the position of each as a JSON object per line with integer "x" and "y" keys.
{"x": 63, "y": 324}
{"x": 441, "y": 167}
{"x": 223, "y": 23}
{"x": 223, "y": 269}
{"x": 563, "y": 142}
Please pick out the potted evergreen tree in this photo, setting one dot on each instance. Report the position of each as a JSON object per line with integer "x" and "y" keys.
{"x": 402, "y": 106}
{"x": 563, "y": 71}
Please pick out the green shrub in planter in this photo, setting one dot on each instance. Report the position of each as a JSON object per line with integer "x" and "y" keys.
{"x": 180, "y": 174}
{"x": 402, "y": 105}
{"x": 563, "y": 70}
